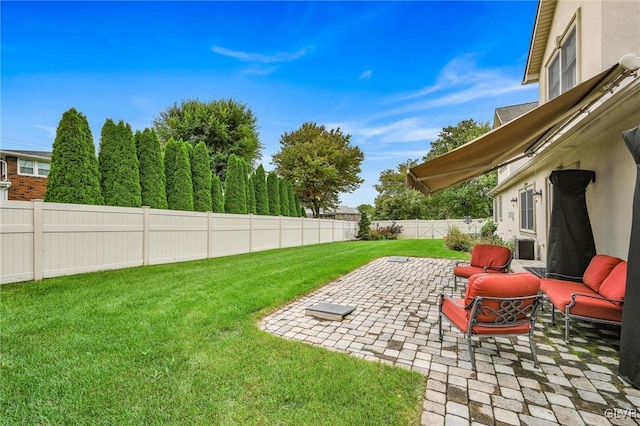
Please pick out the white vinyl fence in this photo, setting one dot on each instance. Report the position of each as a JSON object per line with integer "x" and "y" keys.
{"x": 430, "y": 229}
{"x": 41, "y": 240}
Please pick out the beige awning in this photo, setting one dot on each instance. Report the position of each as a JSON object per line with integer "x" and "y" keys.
{"x": 503, "y": 143}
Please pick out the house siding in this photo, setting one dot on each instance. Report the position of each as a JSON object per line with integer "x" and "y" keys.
{"x": 24, "y": 188}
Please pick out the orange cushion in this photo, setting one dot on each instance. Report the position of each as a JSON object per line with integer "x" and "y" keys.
{"x": 559, "y": 293}
{"x": 489, "y": 255}
{"x": 459, "y": 317}
{"x": 599, "y": 268}
{"x": 613, "y": 287}
{"x": 467, "y": 271}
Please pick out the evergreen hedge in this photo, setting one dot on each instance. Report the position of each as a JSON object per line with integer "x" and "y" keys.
{"x": 293, "y": 210}
{"x": 171, "y": 149}
{"x": 152, "y": 179}
{"x": 201, "y": 176}
{"x": 217, "y": 199}
{"x": 262, "y": 196}
{"x": 284, "y": 198}
{"x": 235, "y": 191}
{"x": 181, "y": 195}
{"x": 273, "y": 190}
{"x": 74, "y": 176}
{"x": 119, "y": 169}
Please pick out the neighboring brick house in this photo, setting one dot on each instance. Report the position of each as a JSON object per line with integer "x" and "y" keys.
{"x": 24, "y": 174}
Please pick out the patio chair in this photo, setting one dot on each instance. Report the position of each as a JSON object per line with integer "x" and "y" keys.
{"x": 485, "y": 258}
{"x": 494, "y": 305}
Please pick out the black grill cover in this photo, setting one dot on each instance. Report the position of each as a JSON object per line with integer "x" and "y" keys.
{"x": 571, "y": 245}
{"x": 630, "y": 333}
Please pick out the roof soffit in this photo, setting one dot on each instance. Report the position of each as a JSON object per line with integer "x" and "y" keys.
{"x": 541, "y": 30}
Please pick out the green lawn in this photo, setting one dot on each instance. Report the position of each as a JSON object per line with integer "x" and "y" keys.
{"x": 179, "y": 344}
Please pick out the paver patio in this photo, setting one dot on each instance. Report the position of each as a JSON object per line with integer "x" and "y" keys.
{"x": 396, "y": 322}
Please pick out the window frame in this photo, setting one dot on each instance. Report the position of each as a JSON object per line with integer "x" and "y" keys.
{"x": 36, "y": 168}
{"x": 557, "y": 69}
{"x": 526, "y": 205}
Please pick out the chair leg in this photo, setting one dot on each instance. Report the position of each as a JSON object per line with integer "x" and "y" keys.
{"x": 440, "y": 326}
{"x": 455, "y": 283}
{"x": 532, "y": 345}
{"x": 472, "y": 354}
{"x": 553, "y": 314}
{"x": 566, "y": 327}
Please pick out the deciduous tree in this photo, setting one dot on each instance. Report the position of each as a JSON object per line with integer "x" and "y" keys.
{"x": 74, "y": 176}
{"x": 320, "y": 164}
{"x": 225, "y": 126}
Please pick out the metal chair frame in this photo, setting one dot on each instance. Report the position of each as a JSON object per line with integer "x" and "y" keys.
{"x": 509, "y": 314}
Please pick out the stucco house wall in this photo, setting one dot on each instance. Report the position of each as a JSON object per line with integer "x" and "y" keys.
{"x": 606, "y": 31}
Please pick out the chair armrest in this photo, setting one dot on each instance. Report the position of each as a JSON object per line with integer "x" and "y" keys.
{"x": 443, "y": 296}
{"x": 561, "y": 276}
{"x": 590, "y": 296}
{"x": 498, "y": 268}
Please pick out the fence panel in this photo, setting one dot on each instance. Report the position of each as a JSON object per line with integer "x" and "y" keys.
{"x": 16, "y": 242}
{"x": 230, "y": 234}
{"x": 176, "y": 236}
{"x": 265, "y": 233}
{"x": 430, "y": 229}
{"x": 291, "y": 233}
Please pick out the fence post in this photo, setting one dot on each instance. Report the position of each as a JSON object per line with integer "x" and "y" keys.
{"x": 38, "y": 244}
{"x": 280, "y": 233}
{"x": 209, "y": 235}
{"x": 250, "y": 233}
{"x": 146, "y": 232}
{"x": 302, "y": 231}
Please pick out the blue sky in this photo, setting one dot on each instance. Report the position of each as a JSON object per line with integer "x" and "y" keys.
{"x": 390, "y": 74}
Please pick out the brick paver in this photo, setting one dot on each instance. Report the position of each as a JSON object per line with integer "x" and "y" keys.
{"x": 396, "y": 322}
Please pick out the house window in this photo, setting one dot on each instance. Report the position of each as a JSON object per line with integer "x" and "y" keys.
{"x": 526, "y": 210}
{"x": 33, "y": 168}
{"x": 563, "y": 67}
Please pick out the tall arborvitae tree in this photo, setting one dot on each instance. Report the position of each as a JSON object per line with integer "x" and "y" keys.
{"x": 303, "y": 212}
{"x": 180, "y": 196}
{"x": 260, "y": 186}
{"x": 251, "y": 191}
{"x": 235, "y": 191}
{"x": 171, "y": 149}
{"x": 152, "y": 179}
{"x": 284, "y": 197}
{"x": 201, "y": 175}
{"x": 118, "y": 161}
{"x": 273, "y": 190}
{"x": 217, "y": 200}
{"x": 293, "y": 211}
{"x": 74, "y": 176}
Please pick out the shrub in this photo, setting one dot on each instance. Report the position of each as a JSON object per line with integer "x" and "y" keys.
{"x": 181, "y": 195}
{"x": 390, "y": 232}
{"x": 201, "y": 178}
{"x": 235, "y": 190}
{"x": 457, "y": 240}
{"x": 217, "y": 200}
{"x": 152, "y": 178}
{"x": 273, "y": 192}
{"x": 260, "y": 186}
{"x": 364, "y": 226}
{"x": 488, "y": 229}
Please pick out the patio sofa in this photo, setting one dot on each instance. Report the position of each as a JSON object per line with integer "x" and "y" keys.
{"x": 597, "y": 296}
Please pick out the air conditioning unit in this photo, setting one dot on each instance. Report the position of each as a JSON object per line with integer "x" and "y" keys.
{"x": 525, "y": 249}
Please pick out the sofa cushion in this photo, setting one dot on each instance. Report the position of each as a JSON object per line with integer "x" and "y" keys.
{"x": 489, "y": 255}
{"x": 614, "y": 285}
{"x": 599, "y": 268}
{"x": 559, "y": 293}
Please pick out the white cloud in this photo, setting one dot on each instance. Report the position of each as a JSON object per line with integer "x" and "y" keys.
{"x": 405, "y": 130}
{"x": 261, "y": 58}
{"x": 365, "y": 75}
{"x": 459, "y": 82}
{"x": 49, "y": 129}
